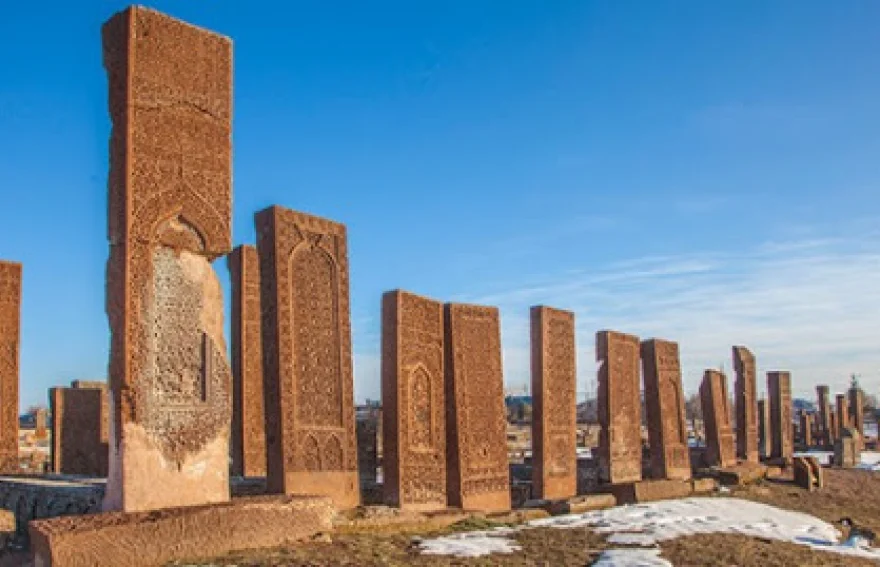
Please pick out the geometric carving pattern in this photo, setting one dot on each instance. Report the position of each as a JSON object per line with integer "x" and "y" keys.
{"x": 619, "y": 401}
{"x": 720, "y": 444}
{"x": 248, "y": 423}
{"x": 554, "y": 376}
{"x": 10, "y": 337}
{"x": 746, "y": 392}
{"x": 80, "y": 429}
{"x": 823, "y": 416}
{"x": 413, "y": 401}
{"x": 664, "y": 406}
{"x": 170, "y": 87}
{"x": 309, "y": 399}
{"x": 781, "y": 425}
{"x": 476, "y": 425}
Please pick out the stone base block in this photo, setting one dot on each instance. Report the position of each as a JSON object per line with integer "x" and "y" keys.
{"x": 343, "y": 487}
{"x": 773, "y": 472}
{"x": 704, "y": 485}
{"x": 487, "y": 502}
{"x": 145, "y": 539}
{"x": 742, "y": 474}
{"x": 581, "y": 504}
{"x": 649, "y": 490}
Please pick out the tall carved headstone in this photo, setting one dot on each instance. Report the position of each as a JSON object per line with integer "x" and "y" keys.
{"x": 554, "y": 410}
{"x": 806, "y": 429}
{"x": 823, "y": 416}
{"x": 664, "y": 406}
{"x": 41, "y": 431}
{"x": 842, "y": 414}
{"x": 309, "y": 389}
{"x": 720, "y": 445}
{"x": 80, "y": 429}
{"x": 10, "y": 337}
{"x": 170, "y": 197}
{"x": 857, "y": 413}
{"x": 478, "y": 475}
{"x": 413, "y": 401}
{"x": 619, "y": 401}
{"x": 746, "y": 405}
{"x": 248, "y": 418}
{"x": 763, "y": 429}
{"x": 779, "y": 392}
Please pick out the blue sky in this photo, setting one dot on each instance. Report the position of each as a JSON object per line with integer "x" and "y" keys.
{"x": 703, "y": 172}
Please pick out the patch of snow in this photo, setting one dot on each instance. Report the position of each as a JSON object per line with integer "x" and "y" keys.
{"x": 870, "y": 460}
{"x": 631, "y": 558}
{"x": 471, "y": 544}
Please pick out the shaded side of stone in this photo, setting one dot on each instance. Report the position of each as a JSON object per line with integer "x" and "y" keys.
{"x": 619, "y": 401}
{"x": 664, "y": 406}
{"x": 745, "y": 390}
{"x": 248, "y": 418}
{"x": 779, "y": 392}
{"x": 80, "y": 430}
{"x": 554, "y": 419}
{"x": 413, "y": 401}
{"x": 309, "y": 389}
{"x": 857, "y": 412}
{"x": 842, "y": 414}
{"x": 10, "y": 340}
{"x": 823, "y": 416}
{"x": 478, "y": 475}
{"x": 720, "y": 445}
{"x": 763, "y": 428}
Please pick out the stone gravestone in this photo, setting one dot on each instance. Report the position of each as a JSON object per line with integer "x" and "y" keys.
{"x": 806, "y": 429}
{"x": 309, "y": 398}
{"x": 170, "y": 197}
{"x": 248, "y": 418}
{"x": 413, "y": 401}
{"x": 779, "y": 391}
{"x": 842, "y": 414}
{"x": 554, "y": 419}
{"x": 619, "y": 401}
{"x": 848, "y": 448}
{"x": 10, "y": 337}
{"x": 40, "y": 430}
{"x": 80, "y": 429}
{"x": 664, "y": 406}
{"x": 808, "y": 473}
{"x": 720, "y": 444}
{"x": 857, "y": 413}
{"x": 478, "y": 474}
{"x": 823, "y": 416}
{"x": 835, "y": 425}
{"x": 763, "y": 429}
{"x": 746, "y": 405}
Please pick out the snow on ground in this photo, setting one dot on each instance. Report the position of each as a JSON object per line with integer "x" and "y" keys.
{"x": 870, "y": 459}
{"x": 651, "y": 523}
{"x": 631, "y": 557}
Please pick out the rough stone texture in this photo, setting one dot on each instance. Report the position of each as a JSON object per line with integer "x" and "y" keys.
{"x": 619, "y": 400}
{"x": 664, "y": 406}
{"x": 763, "y": 429}
{"x": 649, "y": 490}
{"x": 847, "y": 448}
{"x": 857, "y": 413}
{"x": 554, "y": 419}
{"x": 842, "y": 415}
{"x": 823, "y": 416}
{"x": 7, "y": 528}
{"x": 476, "y": 427}
{"x": 741, "y": 474}
{"x": 704, "y": 485}
{"x": 248, "y": 418}
{"x": 720, "y": 446}
{"x": 806, "y": 429}
{"x": 10, "y": 337}
{"x": 414, "y": 402}
{"x": 745, "y": 390}
{"x": 170, "y": 198}
{"x": 31, "y": 498}
{"x": 808, "y": 473}
{"x": 80, "y": 430}
{"x": 835, "y": 424}
{"x": 582, "y": 504}
{"x": 781, "y": 426}
{"x": 309, "y": 398}
{"x": 41, "y": 430}
{"x": 141, "y": 539}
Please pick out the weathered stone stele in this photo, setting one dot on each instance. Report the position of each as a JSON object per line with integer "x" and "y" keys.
{"x": 779, "y": 392}
{"x": 848, "y": 448}
{"x": 554, "y": 411}
{"x": 823, "y": 416}
{"x": 80, "y": 429}
{"x": 311, "y": 445}
{"x": 619, "y": 401}
{"x": 857, "y": 413}
{"x": 248, "y": 418}
{"x": 10, "y": 337}
{"x": 745, "y": 389}
{"x": 720, "y": 445}
{"x": 170, "y": 197}
{"x": 806, "y": 429}
{"x": 842, "y": 414}
{"x": 478, "y": 475}
{"x": 664, "y": 406}
{"x": 413, "y": 402}
{"x": 763, "y": 429}
{"x": 40, "y": 426}
{"x": 835, "y": 425}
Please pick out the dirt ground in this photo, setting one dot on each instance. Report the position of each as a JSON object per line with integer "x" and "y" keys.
{"x": 848, "y": 493}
